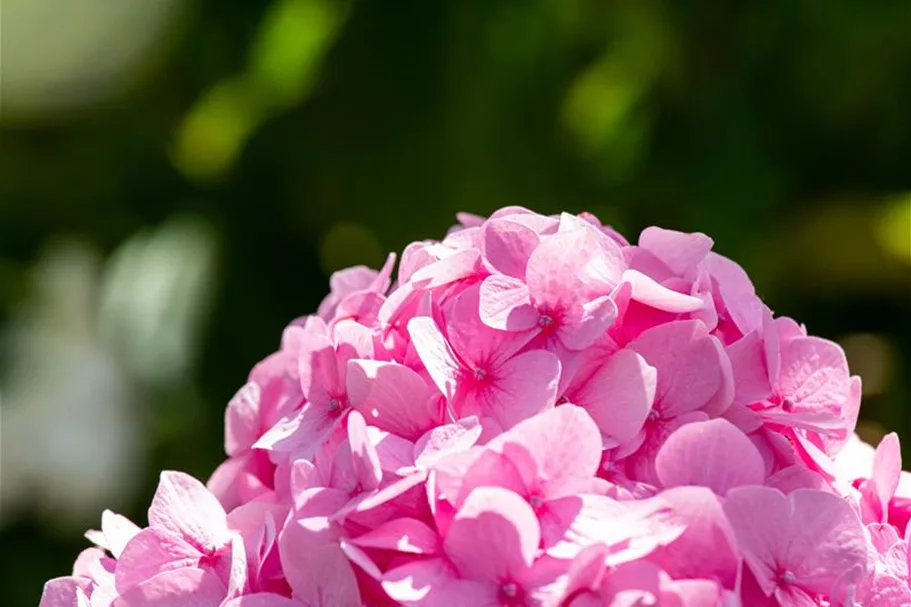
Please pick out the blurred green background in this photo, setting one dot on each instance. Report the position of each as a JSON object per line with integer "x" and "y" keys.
{"x": 179, "y": 178}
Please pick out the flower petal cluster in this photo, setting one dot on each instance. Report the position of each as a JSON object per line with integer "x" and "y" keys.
{"x": 532, "y": 413}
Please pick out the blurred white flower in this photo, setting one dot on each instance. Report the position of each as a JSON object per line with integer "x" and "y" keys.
{"x": 70, "y": 439}
{"x": 154, "y": 295}
{"x": 81, "y": 354}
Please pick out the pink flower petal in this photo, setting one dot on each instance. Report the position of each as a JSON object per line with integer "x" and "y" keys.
{"x": 374, "y": 499}
{"x": 66, "y": 592}
{"x": 183, "y": 506}
{"x": 688, "y": 365}
{"x": 501, "y": 521}
{"x": 707, "y": 534}
{"x": 507, "y": 245}
{"x": 523, "y": 386}
{"x": 887, "y": 591}
{"x": 630, "y": 530}
{"x": 505, "y": 304}
{"x": 429, "y": 583}
{"x": 813, "y": 536}
{"x": 186, "y": 587}
{"x": 242, "y": 419}
{"x": 237, "y": 568}
{"x": 392, "y": 397}
{"x": 751, "y": 375}
{"x": 452, "y": 268}
{"x": 357, "y": 278}
{"x": 300, "y": 434}
{"x": 570, "y": 266}
{"x": 724, "y": 397}
{"x": 681, "y": 251}
{"x": 713, "y": 454}
{"x": 448, "y": 475}
{"x": 396, "y": 453}
{"x": 646, "y": 291}
{"x": 879, "y": 490}
{"x": 118, "y": 531}
{"x": 241, "y": 478}
{"x": 317, "y": 366}
{"x": 788, "y": 480}
{"x": 401, "y": 535}
{"x": 150, "y": 552}
{"x": 694, "y": 593}
{"x": 360, "y": 558}
{"x": 436, "y": 354}
{"x": 887, "y": 466}
{"x": 737, "y": 292}
{"x": 352, "y": 340}
{"x": 476, "y": 344}
{"x": 364, "y": 458}
{"x": 582, "y": 325}
{"x": 618, "y": 396}
{"x": 443, "y": 440}
{"x": 94, "y": 564}
{"x": 263, "y": 599}
{"x": 489, "y": 469}
{"x": 565, "y": 444}
{"x": 317, "y": 570}
{"x": 814, "y": 373}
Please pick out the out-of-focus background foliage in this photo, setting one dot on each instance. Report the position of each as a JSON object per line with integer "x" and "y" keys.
{"x": 179, "y": 178}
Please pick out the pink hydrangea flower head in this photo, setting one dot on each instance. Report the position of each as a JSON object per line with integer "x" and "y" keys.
{"x": 530, "y": 412}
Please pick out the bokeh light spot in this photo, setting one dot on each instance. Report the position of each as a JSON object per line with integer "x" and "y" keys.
{"x": 213, "y": 133}
{"x": 893, "y": 227}
{"x": 290, "y": 46}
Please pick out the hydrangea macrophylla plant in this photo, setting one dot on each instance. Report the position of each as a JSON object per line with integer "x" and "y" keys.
{"x": 534, "y": 413}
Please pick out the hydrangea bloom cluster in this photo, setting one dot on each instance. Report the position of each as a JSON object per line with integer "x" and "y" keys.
{"x": 537, "y": 413}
